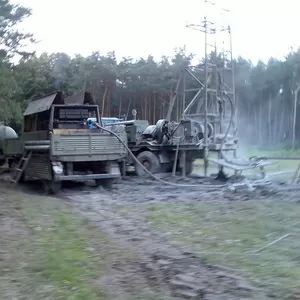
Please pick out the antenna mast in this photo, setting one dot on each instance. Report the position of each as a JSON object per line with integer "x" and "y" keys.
{"x": 214, "y": 78}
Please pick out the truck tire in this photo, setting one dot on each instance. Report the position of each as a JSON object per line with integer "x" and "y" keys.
{"x": 149, "y": 160}
{"x": 106, "y": 183}
{"x": 52, "y": 187}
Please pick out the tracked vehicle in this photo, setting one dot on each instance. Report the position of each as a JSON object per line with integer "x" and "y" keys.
{"x": 57, "y": 145}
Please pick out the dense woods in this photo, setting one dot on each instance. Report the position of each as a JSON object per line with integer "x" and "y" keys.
{"x": 267, "y": 93}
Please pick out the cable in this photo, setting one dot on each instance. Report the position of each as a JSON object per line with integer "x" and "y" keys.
{"x": 205, "y": 187}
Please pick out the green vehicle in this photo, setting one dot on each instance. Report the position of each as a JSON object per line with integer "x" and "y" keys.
{"x": 157, "y": 147}
{"x": 59, "y": 144}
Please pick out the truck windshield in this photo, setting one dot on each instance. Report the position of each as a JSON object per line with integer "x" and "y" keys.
{"x": 74, "y": 117}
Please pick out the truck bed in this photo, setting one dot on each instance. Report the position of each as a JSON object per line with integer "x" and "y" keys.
{"x": 75, "y": 145}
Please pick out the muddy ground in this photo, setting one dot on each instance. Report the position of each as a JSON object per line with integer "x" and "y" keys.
{"x": 159, "y": 266}
{"x": 176, "y": 270}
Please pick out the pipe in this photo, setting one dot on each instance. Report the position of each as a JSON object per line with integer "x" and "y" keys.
{"x": 204, "y": 187}
{"x": 37, "y": 147}
{"x": 131, "y": 122}
{"x": 42, "y": 142}
{"x": 281, "y": 158}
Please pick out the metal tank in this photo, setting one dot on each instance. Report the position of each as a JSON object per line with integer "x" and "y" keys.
{"x": 7, "y": 133}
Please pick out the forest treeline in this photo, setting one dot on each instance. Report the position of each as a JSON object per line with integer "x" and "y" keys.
{"x": 267, "y": 93}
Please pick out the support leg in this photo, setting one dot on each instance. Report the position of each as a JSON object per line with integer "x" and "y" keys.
{"x": 175, "y": 160}
{"x": 235, "y": 156}
{"x": 183, "y": 163}
{"x": 205, "y": 160}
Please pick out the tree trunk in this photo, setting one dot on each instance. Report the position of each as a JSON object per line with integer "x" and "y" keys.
{"x": 270, "y": 118}
{"x": 120, "y": 107}
{"x": 108, "y": 103}
{"x": 281, "y": 125}
{"x": 294, "y": 118}
{"x": 260, "y": 123}
{"x": 103, "y": 101}
{"x": 154, "y": 108}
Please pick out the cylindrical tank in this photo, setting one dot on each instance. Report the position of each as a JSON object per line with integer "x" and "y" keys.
{"x": 7, "y": 133}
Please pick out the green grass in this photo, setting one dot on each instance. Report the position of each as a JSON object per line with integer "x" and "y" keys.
{"x": 227, "y": 234}
{"x": 54, "y": 259}
{"x": 49, "y": 252}
{"x": 68, "y": 262}
{"x": 277, "y": 165}
{"x": 248, "y": 151}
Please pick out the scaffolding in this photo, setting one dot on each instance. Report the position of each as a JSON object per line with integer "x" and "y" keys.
{"x": 210, "y": 82}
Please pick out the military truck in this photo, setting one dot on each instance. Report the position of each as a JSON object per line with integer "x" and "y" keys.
{"x": 158, "y": 146}
{"x": 57, "y": 145}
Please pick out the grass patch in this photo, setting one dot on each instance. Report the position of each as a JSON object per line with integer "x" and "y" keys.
{"x": 55, "y": 259}
{"x": 49, "y": 252}
{"x": 279, "y": 164}
{"x": 68, "y": 262}
{"x": 276, "y": 166}
{"x": 225, "y": 233}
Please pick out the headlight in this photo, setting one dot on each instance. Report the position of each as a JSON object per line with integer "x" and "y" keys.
{"x": 57, "y": 167}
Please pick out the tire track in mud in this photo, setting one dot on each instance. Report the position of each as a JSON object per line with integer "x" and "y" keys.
{"x": 159, "y": 264}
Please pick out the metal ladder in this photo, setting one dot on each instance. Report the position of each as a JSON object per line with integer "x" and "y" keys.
{"x": 17, "y": 173}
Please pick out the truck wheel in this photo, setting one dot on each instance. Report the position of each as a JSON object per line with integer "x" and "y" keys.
{"x": 106, "y": 183}
{"x": 52, "y": 187}
{"x": 149, "y": 160}
{"x": 4, "y": 165}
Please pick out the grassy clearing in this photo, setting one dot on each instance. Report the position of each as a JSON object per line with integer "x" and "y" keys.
{"x": 225, "y": 233}
{"x": 276, "y": 166}
{"x": 46, "y": 251}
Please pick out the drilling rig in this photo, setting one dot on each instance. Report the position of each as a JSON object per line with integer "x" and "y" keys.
{"x": 205, "y": 95}
{"x": 208, "y": 88}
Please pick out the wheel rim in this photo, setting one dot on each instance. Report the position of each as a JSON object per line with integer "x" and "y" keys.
{"x": 147, "y": 165}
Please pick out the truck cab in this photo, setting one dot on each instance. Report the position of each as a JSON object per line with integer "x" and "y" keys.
{"x": 63, "y": 145}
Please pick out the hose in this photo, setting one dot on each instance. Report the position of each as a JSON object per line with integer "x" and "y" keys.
{"x": 230, "y": 122}
{"x": 204, "y": 187}
{"x": 253, "y": 160}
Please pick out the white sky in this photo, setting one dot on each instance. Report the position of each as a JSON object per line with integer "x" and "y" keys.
{"x": 136, "y": 28}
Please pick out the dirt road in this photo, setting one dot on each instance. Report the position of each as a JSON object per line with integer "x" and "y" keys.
{"x": 157, "y": 266}
{"x": 160, "y": 265}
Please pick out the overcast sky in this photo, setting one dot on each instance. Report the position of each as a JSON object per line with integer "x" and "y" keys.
{"x": 136, "y": 28}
